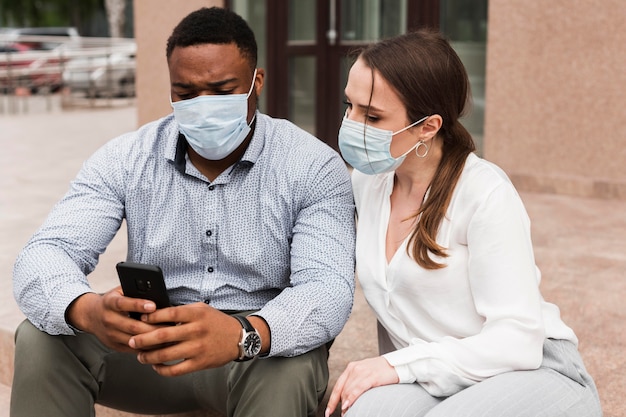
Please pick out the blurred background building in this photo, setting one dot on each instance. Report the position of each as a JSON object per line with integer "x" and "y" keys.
{"x": 305, "y": 47}
{"x": 548, "y": 80}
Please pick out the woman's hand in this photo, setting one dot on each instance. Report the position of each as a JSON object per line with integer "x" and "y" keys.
{"x": 357, "y": 378}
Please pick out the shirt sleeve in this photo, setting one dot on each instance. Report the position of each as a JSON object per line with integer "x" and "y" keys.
{"x": 314, "y": 309}
{"x": 504, "y": 285}
{"x": 50, "y": 272}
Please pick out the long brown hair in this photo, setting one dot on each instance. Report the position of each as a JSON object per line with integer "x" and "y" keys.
{"x": 430, "y": 79}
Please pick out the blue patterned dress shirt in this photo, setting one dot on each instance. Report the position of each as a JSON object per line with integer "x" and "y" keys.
{"x": 274, "y": 232}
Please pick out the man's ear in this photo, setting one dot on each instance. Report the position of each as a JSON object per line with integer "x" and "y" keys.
{"x": 431, "y": 126}
{"x": 259, "y": 81}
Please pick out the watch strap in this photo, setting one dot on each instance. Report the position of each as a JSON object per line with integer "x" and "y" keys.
{"x": 245, "y": 323}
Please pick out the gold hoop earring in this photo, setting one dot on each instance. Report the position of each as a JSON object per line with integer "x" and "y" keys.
{"x": 421, "y": 143}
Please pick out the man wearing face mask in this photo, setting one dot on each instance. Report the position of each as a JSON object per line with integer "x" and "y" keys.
{"x": 251, "y": 220}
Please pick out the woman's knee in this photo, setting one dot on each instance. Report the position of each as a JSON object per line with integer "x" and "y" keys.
{"x": 406, "y": 400}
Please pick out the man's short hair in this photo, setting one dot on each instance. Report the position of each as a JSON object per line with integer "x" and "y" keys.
{"x": 214, "y": 25}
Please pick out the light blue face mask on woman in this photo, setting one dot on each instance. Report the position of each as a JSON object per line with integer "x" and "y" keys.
{"x": 214, "y": 125}
{"x": 366, "y": 148}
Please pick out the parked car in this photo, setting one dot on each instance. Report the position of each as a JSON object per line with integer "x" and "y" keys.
{"x": 22, "y": 66}
{"x": 13, "y": 47}
{"x": 31, "y": 57}
{"x": 104, "y": 75}
{"x": 43, "y": 38}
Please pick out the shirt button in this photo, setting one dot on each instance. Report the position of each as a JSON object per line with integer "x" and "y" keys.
{"x": 207, "y": 301}
{"x": 210, "y": 269}
{"x": 209, "y": 233}
{"x": 211, "y": 187}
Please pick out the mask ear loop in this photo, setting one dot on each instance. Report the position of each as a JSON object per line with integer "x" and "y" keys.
{"x": 418, "y": 144}
{"x": 248, "y": 96}
{"x": 410, "y": 126}
{"x": 252, "y": 86}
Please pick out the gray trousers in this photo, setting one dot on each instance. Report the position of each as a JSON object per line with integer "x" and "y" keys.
{"x": 560, "y": 387}
{"x": 63, "y": 376}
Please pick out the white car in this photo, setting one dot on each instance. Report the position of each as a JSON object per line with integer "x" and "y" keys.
{"x": 101, "y": 68}
{"x": 101, "y": 73}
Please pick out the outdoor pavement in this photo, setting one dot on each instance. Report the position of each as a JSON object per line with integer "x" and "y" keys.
{"x": 580, "y": 243}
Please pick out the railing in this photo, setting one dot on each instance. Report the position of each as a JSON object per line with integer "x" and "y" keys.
{"x": 89, "y": 68}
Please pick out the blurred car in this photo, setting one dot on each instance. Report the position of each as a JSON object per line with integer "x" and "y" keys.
{"x": 30, "y": 57}
{"x": 13, "y": 47}
{"x": 22, "y": 66}
{"x": 110, "y": 75}
{"x": 42, "y": 38}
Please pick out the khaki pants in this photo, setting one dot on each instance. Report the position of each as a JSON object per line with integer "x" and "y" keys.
{"x": 63, "y": 376}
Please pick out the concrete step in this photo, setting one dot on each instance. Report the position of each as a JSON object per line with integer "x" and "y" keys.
{"x": 5, "y": 400}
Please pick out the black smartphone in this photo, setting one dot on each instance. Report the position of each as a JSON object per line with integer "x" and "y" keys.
{"x": 143, "y": 281}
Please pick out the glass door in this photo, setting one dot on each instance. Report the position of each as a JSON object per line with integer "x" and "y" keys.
{"x": 303, "y": 56}
{"x": 307, "y": 47}
{"x": 356, "y": 23}
{"x": 465, "y": 23}
{"x": 321, "y": 39}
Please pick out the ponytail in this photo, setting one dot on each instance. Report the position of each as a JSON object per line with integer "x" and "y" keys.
{"x": 457, "y": 145}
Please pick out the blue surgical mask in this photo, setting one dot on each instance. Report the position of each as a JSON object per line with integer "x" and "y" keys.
{"x": 214, "y": 125}
{"x": 366, "y": 148}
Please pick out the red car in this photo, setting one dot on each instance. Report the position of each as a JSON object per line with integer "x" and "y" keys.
{"x": 23, "y": 66}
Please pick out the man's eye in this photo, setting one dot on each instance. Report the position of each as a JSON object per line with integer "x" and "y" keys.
{"x": 183, "y": 95}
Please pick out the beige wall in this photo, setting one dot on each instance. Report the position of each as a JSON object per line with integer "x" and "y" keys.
{"x": 556, "y": 95}
{"x": 154, "y": 21}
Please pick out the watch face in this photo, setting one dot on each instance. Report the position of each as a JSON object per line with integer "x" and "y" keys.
{"x": 252, "y": 345}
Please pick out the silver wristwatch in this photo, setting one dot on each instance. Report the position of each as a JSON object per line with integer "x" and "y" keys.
{"x": 250, "y": 344}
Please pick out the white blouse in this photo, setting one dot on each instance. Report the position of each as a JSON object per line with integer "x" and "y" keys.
{"x": 479, "y": 316}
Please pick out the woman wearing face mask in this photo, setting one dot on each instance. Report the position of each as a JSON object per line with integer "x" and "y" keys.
{"x": 444, "y": 256}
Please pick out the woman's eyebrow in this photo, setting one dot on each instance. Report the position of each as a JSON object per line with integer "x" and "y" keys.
{"x": 369, "y": 108}
{"x": 364, "y": 107}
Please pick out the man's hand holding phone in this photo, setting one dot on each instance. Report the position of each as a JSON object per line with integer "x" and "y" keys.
{"x": 204, "y": 337}
{"x": 106, "y": 317}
